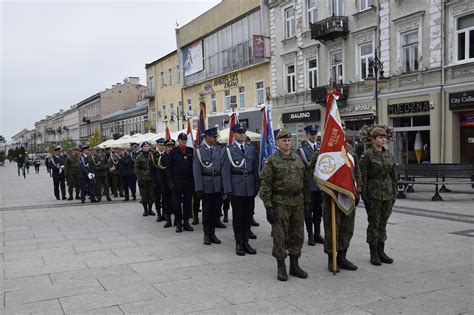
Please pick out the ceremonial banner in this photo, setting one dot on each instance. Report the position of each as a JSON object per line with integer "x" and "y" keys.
{"x": 189, "y": 132}
{"x": 201, "y": 125}
{"x": 232, "y": 121}
{"x": 334, "y": 166}
{"x": 167, "y": 133}
{"x": 267, "y": 141}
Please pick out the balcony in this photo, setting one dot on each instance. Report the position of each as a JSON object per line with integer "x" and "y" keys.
{"x": 149, "y": 94}
{"x": 318, "y": 94}
{"x": 330, "y": 28}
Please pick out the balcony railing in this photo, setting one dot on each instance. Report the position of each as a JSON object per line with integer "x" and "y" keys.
{"x": 330, "y": 28}
{"x": 318, "y": 94}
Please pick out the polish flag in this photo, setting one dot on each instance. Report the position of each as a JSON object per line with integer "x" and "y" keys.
{"x": 232, "y": 121}
{"x": 335, "y": 166}
{"x": 168, "y": 134}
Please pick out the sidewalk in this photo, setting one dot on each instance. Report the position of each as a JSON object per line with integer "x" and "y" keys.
{"x": 61, "y": 257}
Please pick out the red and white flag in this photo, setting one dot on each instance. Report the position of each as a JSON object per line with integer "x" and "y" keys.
{"x": 334, "y": 167}
{"x": 232, "y": 121}
{"x": 167, "y": 134}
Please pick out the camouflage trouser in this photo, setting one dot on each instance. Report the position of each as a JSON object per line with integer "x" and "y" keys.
{"x": 288, "y": 231}
{"x": 344, "y": 226}
{"x": 102, "y": 186}
{"x": 378, "y": 212}
{"x": 147, "y": 195}
{"x": 116, "y": 184}
{"x": 73, "y": 182}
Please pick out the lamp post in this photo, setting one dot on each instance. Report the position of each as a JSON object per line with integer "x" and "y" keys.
{"x": 178, "y": 115}
{"x": 375, "y": 78}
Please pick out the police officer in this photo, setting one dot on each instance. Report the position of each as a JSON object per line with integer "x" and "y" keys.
{"x": 208, "y": 183}
{"x": 284, "y": 192}
{"x": 312, "y": 213}
{"x": 86, "y": 174}
{"x": 100, "y": 166}
{"x": 56, "y": 163}
{"x": 167, "y": 195}
{"x": 158, "y": 178}
{"x": 72, "y": 172}
{"x": 378, "y": 190}
{"x": 142, "y": 169}
{"x": 125, "y": 167}
{"x": 179, "y": 173}
{"x": 241, "y": 184}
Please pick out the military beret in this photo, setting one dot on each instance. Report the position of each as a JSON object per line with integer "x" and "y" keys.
{"x": 378, "y": 131}
{"x": 144, "y": 143}
{"x": 211, "y": 132}
{"x": 170, "y": 142}
{"x": 161, "y": 141}
{"x": 239, "y": 128}
{"x": 311, "y": 129}
{"x": 283, "y": 134}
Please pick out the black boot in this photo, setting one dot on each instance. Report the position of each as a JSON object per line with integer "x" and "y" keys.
{"x": 145, "y": 209}
{"x": 220, "y": 225}
{"x": 311, "y": 241}
{"x": 226, "y": 216}
{"x": 281, "y": 274}
{"x": 330, "y": 263}
{"x": 252, "y": 236}
{"x": 187, "y": 227}
{"x": 317, "y": 235}
{"x": 70, "y": 197}
{"x": 195, "y": 220}
{"x": 383, "y": 257}
{"x": 253, "y": 222}
{"x": 239, "y": 249}
{"x": 374, "y": 255}
{"x": 207, "y": 239}
{"x": 214, "y": 239}
{"x": 168, "y": 222}
{"x": 248, "y": 249}
{"x": 150, "y": 209}
{"x": 159, "y": 218}
{"x": 295, "y": 269}
{"x": 179, "y": 226}
{"x": 343, "y": 263}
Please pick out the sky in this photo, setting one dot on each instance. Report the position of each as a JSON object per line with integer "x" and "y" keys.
{"x": 55, "y": 54}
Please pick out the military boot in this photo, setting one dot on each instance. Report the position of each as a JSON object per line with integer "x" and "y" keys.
{"x": 145, "y": 209}
{"x": 150, "y": 209}
{"x": 281, "y": 274}
{"x": 187, "y": 227}
{"x": 383, "y": 257}
{"x": 195, "y": 220}
{"x": 343, "y": 263}
{"x": 330, "y": 264}
{"x": 159, "y": 217}
{"x": 179, "y": 226}
{"x": 295, "y": 269}
{"x": 374, "y": 255}
{"x": 311, "y": 241}
{"x": 317, "y": 235}
{"x": 226, "y": 216}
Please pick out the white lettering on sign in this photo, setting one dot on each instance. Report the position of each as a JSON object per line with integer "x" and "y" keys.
{"x": 300, "y": 115}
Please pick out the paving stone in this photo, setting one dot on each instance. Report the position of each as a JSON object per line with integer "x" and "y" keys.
{"x": 102, "y": 246}
{"x": 43, "y": 307}
{"x": 163, "y": 265}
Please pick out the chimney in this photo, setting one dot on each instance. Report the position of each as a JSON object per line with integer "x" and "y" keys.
{"x": 134, "y": 80}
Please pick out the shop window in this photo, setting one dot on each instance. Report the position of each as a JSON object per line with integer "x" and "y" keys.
{"x": 410, "y": 51}
{"x": 290, "y": 22}
{"x": 465, "y": 37}
{"x": 366, "y": 54}
{"x": 290, "y": 79}
{"x": 402, "y": 122}
{"x": 421, "y": 120}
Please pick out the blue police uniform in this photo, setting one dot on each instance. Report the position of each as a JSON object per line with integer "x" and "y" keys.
{"x": 56, "y": 163}
{"x": 87, "y": 184}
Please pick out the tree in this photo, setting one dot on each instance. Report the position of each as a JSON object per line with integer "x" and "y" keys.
{"x": 2, "y": 139}
{"x": 95, "y": 138}
{"x": 67, "y": 144}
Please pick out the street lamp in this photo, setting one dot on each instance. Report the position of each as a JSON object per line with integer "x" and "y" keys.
{"x": 375, "y": 78}
{"x": 178, "y": 115}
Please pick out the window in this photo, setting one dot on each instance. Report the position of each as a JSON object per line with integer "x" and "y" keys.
{"x": 171, "y": 109}
{"x": 151, "y": 85}
{"x": 190, "y": 106}
{"x": 311, "y": 10}
{"x": 365, "y": 4}
{"x": 410, "y": 51}
{"x": 260, "y": 93}
{"x": 465, "y": 37}
{"x": 227, "y": 100}
{"x": 290, "y": 22}
{"x": 162, "y": 79}
{"x": 170, "y": 74}
{"x": 163, "y": 111}
{"x": 242, "y": 97}
{"x": 337, "y": 7}
{"x": 213, "y": 103}
{"x": 312, "y": 73}
{"x": 366, "y": 54}
{"x": 290, "y": 79}
{"x": 178, "y": 74}
{"x": 336, "y": 67}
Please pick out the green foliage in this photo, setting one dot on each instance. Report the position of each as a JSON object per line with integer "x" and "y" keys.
{"x": 95, "y": 138}
{"x": 2, "y": 139}
{"x": 67, "y": 144}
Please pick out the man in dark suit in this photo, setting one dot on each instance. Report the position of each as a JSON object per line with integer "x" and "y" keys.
{"x": 56, "y": 163}
{"x": 86, "y": 174}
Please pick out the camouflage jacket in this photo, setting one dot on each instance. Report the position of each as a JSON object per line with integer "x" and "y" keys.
{"x": 283, "y": 181}
{"x": 142, "y": 166}
{"x": 378, "y": 180}
{"x": 72, "y": 166}
{"x": 112, "y": 163}
{"x": 99, "y": 164}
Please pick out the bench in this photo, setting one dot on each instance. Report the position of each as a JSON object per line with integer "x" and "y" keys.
{"x": 433, "y": 174}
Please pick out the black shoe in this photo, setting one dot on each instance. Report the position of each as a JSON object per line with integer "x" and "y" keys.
{"x": 167, "y": 224}
{"x": 318, "y": 238}
{"x": 57, "y": 198}
{"x": 215, "y": 240}
{"x": 78, "y": 197}
{"x": 83, "y": 200}
{"x": 94, "y": 200}
{"x": 195, "y": 221}
{"x": 383, "y": 257}
{"x": 187, "y": 227}
{"x": 281, "y": 273}
{"x": 134, "y": 198}
{"x": 239, "y": 250}
{"x": 99, "y": 199}
{"x": 150, "y": 212}
{"x": 330, "y": 264}
{"x": 116, "y": 195}
{"x": 145, "y": 210}
{"x": 126, "y": 199}
{"x": 207, "y": 240}
{"x": 252, "y": 236}
{"x": 64, "y": 198}
{"x": 179, "y": 228}
{"x": 108, "y": 198}
{"x": 253, "y": 222}
{"x": 70, "y": 198}
{"x": 248, "y": 249}
{"x": 220, "y": 225}
{"x": 295, "y": 269}
{"x": 159, "y": 218}
{"x": 226, "y": 216}
{"x": 374, "y": 255}
{"x": 175, "y": 222}
{"x": 311, "y": 241}
{"x": 343, "y": 263}
{"x": 121, "y": 195}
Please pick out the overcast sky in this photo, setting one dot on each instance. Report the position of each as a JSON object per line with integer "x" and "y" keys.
{"x": 55, "y": 54}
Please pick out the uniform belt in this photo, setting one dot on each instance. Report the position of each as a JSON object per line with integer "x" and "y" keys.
{"x": 213, "y": 174}
{"x": 243, "y": 173}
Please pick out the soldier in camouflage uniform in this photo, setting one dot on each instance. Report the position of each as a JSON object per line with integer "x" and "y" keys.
{"x": 284, "y": 191}
{"x": 378, "y": 189}
{"x": 100, "y": 166}
{"x": 142, "y": 169}
{"x": 114, "y": 174}
{"x": 72, "y": 173}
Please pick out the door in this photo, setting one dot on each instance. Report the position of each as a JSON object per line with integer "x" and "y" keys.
{"x": 467, "y": 144}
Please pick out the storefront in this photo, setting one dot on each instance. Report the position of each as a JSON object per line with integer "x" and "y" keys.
{"x": 296, "y": 121}
{"x": 410, "y": 118}
{"x": 355, "y": 116}
{"x": 462, "y": 103}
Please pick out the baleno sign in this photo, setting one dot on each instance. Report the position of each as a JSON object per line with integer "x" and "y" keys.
{"x": 309, "y": 115}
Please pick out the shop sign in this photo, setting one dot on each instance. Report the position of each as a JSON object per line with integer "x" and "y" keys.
{"x": 309, "y": 115}
{"x": 222, "y": 83}
{"x": 461, "y": 100}
{"x": 409, "y": 108}
{"x": 466, "y": 119}
{"x": 349, "y": 109}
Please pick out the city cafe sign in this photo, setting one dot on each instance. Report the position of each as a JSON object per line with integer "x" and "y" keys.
{"x": 222, "y": 83}
{"x": 461, "y": 100}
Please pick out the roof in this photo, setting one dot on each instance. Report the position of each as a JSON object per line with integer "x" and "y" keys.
{"x": 89, "y": 99}
{"x": 126, "y": 113}
{"x": 148, "y": 65}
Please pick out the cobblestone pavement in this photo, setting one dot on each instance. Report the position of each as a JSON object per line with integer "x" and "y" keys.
{"x": 64, "y": 257}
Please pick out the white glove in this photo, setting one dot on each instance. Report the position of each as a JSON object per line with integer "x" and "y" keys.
{"x": 91, "y": 175}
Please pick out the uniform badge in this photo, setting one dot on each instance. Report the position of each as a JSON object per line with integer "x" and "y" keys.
{"x": 237, "y": 162}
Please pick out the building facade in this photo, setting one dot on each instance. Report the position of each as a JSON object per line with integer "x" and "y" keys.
{"x": 127, "y": 121}
{"x": 224, "y": 57}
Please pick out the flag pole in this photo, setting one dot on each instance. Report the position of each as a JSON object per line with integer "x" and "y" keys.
{"x": 333, "y": 236}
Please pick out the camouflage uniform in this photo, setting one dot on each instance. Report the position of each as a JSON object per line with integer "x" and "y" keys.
{"x": 72, "y": 172}
{"x": 378, "y": 187}
{"x": 142, "y": 170}
{"x": 99, "y": 164}
{"x": 115, "y": 178}
{"x": 285, "y": 189}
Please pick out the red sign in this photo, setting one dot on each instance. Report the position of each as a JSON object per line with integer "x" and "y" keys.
{"x": 258, "y": 46}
